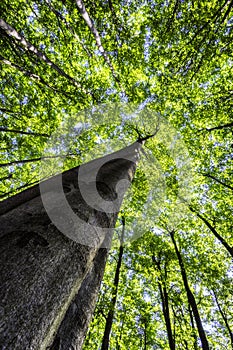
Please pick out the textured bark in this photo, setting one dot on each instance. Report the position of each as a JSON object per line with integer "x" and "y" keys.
{"x": 43, "y": 272}
{"x": 191, "y": 298}
{"x": 73, "y": 328}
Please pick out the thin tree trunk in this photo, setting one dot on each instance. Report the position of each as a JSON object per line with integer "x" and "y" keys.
{"x": 212, "y": 229}
{"x": 110, "y": 316}
{"x": 165, "y": 304}
{"x": 68, "y": 26}
{"x": 15, "y": 131}
{"x": 217, "y": 180}
{"x": 43, "y": 270}
{"x": 191, "y": 298}
{"x": 224, "y": 318}
{"x": 82, "y": 9}
{"x": 193, "y": 328}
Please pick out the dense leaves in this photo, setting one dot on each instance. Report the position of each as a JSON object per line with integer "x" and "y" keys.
{"x": 60, "y": 59}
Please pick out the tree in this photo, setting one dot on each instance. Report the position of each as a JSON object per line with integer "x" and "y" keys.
{"x": 190, "y": 296}
{"x": 45, "y": 275}
{"x": 66, "y": 63}
{"x": 165, "y": 299}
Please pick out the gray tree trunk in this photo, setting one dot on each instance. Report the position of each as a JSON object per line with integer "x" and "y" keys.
{"x": 49, "y": 280}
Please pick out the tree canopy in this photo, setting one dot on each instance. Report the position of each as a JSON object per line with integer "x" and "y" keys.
{"x": 65, "y": 61}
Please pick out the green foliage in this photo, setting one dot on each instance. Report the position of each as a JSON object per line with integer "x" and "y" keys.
{"x": 175, "y": 57}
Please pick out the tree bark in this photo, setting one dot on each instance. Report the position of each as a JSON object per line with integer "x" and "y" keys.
{"x": 44, "y": 274}
{"x": 73, "y": 328}
{"x": 191, "y": 298}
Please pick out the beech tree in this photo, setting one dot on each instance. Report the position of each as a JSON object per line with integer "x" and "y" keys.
{"x": 46, "y": 276}
{"x": 81, "y": 80}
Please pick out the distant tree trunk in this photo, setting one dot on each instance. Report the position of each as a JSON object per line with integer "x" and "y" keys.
{"x": 191, "y": 298}
{"x": 212, "y": 229}
{"x": 224, "y": 317}
{"x": 165, "y": 303}
{"x": 217, "y": 180}
{"x": 195, "y": 346}
{"x": 110, "y": 316}
{"x": 49, "y": 282}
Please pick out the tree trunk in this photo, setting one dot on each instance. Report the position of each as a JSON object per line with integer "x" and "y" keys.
{"x": 224, "y": 317}
{"x": 195, "y": 345}
{"x": 191, "y": 298}
{"x": 73, "y": 328}
{"x": 110, "y": 316}
{"x": 48, "y": 276}
{"x": 165, "y": 303}
{"x": 212, "y": 229}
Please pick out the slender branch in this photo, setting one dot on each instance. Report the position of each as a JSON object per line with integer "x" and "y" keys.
{"x": 219, "y": 127}
{"x": 6, "y": 110}
{"x": 212, "y": 229}
{"x": 34, "y": 160}
{"x": 29, "y": 74}
{"x": 6, "y": 177}
{"x": 227, "y": 12}
{"x": 22, "y": 132}
{"x": 217, "y": 180}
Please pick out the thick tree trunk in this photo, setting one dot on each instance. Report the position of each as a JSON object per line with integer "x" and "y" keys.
{"x": 191, "y": 298}
{"x": 47, "y": 277}
{"x": 73, "y": 328}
